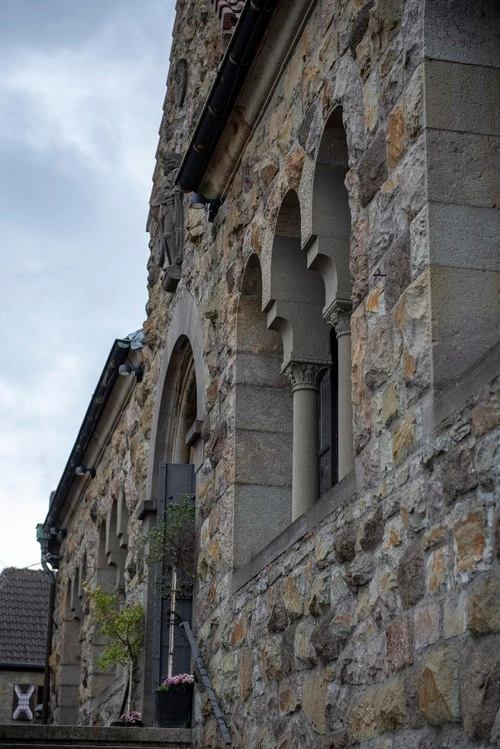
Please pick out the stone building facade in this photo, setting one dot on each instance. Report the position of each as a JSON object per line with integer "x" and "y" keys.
{"x": 322, "y": 347}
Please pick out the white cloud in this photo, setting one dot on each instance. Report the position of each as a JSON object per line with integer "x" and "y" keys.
{"x": 78, "y": 132}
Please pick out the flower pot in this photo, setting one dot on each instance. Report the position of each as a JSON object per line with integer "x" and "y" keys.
{"x": 127, "y": 723}
{"x": 173, "y": 708}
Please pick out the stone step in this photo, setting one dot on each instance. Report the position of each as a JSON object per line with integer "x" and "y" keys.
{"x": 110, "y": 737}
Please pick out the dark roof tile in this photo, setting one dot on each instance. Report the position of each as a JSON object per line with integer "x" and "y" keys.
{"x": 24, "y": 607}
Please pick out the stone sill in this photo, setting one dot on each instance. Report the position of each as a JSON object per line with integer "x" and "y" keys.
{"x": 439, "y": 405}
{"x": 29, "y": 735}
{"x": 337, "y": 495}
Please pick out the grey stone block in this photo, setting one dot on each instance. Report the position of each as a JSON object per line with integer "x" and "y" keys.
{"x": 264, "y": 409}
{"x": 372, "y": 168}
{"x": 254, "y": 369}
{"x": 465, "y": 319}
{"x": 260, "y": 514}
{"x": 464, "y": 236}
{"x": 463, "y": 31}
{"x": 462, "y": 97}
{"x": 263, "y": 458}
{"x": 463, "y": 168}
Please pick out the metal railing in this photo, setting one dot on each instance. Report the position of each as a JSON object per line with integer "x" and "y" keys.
{"x": 219, "y": 717}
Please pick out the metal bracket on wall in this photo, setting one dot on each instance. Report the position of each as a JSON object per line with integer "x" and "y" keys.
{"x": 219, "y": 717}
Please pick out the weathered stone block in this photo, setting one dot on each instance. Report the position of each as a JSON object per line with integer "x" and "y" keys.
{"x": 396, "y": 266}
{"x": 391, "y": 706}
{"x": 470, "y": 541}
{"x": 462, "y": 32}
{"x": 362, "y": 718}
{"x": 438, "y": 687}
{"x": 485, "y": 416}
{"x": 481, "y": 689}
{"x": 461, "y": 166}
{"x": 344, "y": 543}
{"x": 378, "y": 358}
{"x": 437, "y": 570}
{"x": 314, "y": 693}
{"x": 458, "y": 473}
{"x": 245, "y": 662}
{"x": 318, "y": 602}
{"x": 372, "y": 168}
{"x": 399, "y": 643}
{"x": 278, "y": 621}
{"x": 411, "y": 575}
{"x": 454, "y": 616}
{"x": 463, "y": 98}
{"x": 426, "y": 625}
{"x": 360, "y": 571}
{"x": 304, "y": 649}
{"x": 371, "y": 530}
{"x": 483, "y": 605}
{"x": 329, "y": 636}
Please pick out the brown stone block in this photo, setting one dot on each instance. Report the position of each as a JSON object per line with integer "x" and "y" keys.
{"x": 239, "y": 632}
{"x": 372, "y": 169}
{"x": 485, "y": 417}
{"x": 399, "y": 643}
{"x": 293, "y": 167}
{"x": 397, "y": 136}
{"x": 481, "y": 689}
{"x": 362, "y": 717}
{"x": 458, "y": 472}
{"x": 314, "y": 694}
{"x": 379, "y": 355}
{"x": 390, "y": 701}
{"x": 427, "y": 620}
{"x": 289, "y": 700}
{"x": 411, "y": 580}
{"x": 437, "y": 570}
{"x": 371, "y": 530}
{"x": 292, "y": 597}
{"x": 438, "y": 687}
{"x": 329, "y": 636}
{"x": 403, "y": 437}
{"x": 470, "y": 541}
{"x": 483, "y": 605}
{"x": 344, "y": 543}
{"x": 245, "y": 668}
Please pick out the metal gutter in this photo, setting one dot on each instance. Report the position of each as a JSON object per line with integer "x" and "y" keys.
{"x": 22, "y": 667}
{"x": 96, "y": 407}
{"x": 235, "y": 65}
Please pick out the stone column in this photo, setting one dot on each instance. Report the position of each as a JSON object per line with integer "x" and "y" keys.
{"x": 338, "y": 316}
{"x": 305, "y": 473}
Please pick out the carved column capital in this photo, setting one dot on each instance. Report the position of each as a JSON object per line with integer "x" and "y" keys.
{"x": 338, "y": 315}
{"x": 304, "y": 374}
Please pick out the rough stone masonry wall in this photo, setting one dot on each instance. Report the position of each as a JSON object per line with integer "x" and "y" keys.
{"x": 120, "y": 476}
{"x": 378, "y": 629}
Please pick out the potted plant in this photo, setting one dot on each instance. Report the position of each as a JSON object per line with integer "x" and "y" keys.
{"x": 129, "y": 719}
{"x": 171, "y": 546}
{"x": 124, "y": 630}
{"x": 173, "y": 700}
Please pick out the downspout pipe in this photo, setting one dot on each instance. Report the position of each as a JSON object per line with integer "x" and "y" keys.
{"x": 240, "y": 53}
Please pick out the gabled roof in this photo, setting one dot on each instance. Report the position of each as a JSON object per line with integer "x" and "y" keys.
{"x": 24, "y": 608}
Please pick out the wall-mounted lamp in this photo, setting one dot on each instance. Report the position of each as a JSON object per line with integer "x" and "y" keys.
{"x": 83, "y": 471}
{"x": 127, "y": 369}
{"x": 211, "y": 205}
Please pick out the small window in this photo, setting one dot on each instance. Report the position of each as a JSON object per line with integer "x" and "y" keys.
{"x": 328, "y": 423}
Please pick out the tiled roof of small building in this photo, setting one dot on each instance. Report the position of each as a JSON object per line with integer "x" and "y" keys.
{"x": 24, "y": 606}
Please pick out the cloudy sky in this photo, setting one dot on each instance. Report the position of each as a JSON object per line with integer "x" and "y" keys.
{"x": 82, "y": 84}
